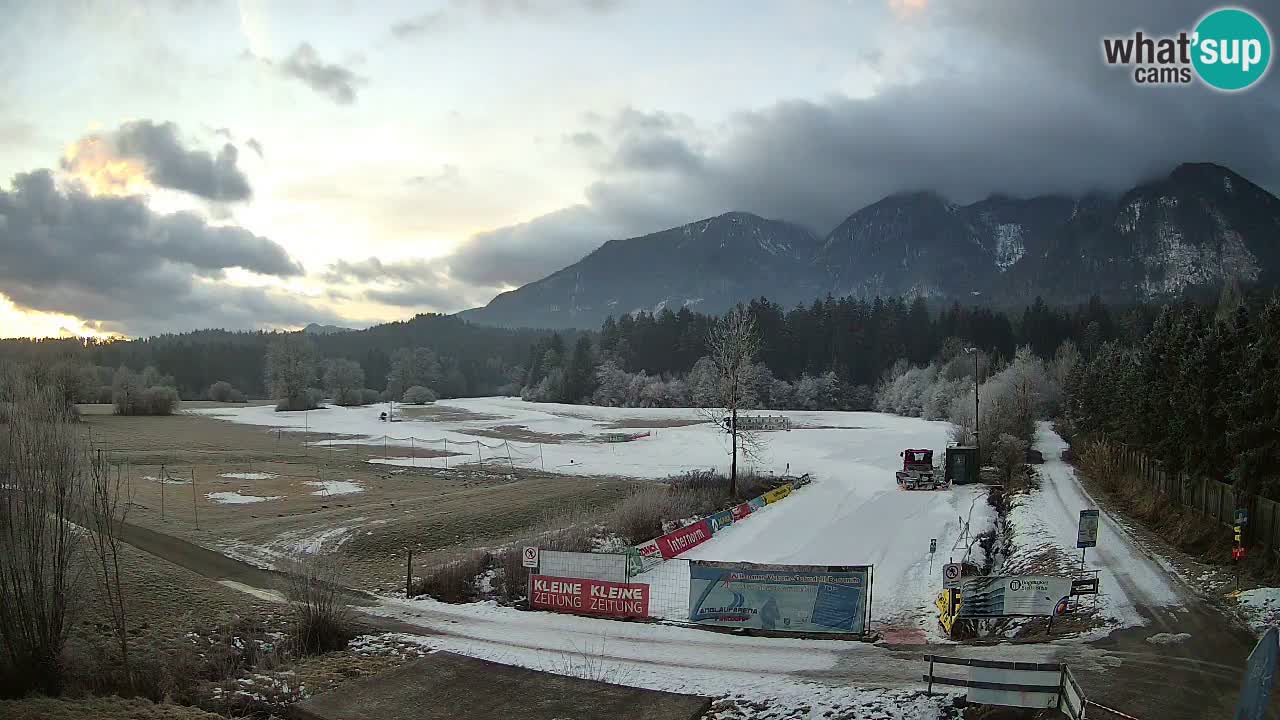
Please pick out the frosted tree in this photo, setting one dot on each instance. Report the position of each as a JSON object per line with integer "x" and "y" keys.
{"x": 732, "y": 344}
{"x": 344, "y": 379}
{"x": 290, "y": 368}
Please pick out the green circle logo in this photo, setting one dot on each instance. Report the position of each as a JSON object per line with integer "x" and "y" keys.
{"x": 1232, "y": 49}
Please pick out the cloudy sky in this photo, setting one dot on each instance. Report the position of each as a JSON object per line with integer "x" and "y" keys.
{"x": 173, "y": 165}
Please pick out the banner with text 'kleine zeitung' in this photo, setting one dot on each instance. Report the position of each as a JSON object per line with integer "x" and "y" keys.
{"x": 589, "y": 597}
{"x": 782, "y": 598}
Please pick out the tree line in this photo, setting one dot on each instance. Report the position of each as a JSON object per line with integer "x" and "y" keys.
{"x": 830, "y": 354}
{"x": 1200, "y": 392}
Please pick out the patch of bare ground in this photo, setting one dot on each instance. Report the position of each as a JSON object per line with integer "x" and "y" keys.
{"x": 524, "y": 434}
{"x": 440, "y": 413}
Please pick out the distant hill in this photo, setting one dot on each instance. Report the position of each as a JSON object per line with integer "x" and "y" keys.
{"x": 1198, "y": 227}
{"x": 318, "y": 329}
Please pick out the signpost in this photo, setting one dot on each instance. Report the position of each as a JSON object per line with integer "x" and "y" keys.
{"x": 1087, "y": 532}
{"x": 951, "y": 575}
{"x": 1238, "y": 551}
{"x": 529, "y": 558}
{"x": 933, "y": 548}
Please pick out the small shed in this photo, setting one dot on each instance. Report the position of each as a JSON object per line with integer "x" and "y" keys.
{"x": 961, "y": 464}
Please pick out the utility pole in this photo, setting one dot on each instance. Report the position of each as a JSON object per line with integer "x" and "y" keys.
{"x": 194, "y": 512}
{"x": 977, "y": 442}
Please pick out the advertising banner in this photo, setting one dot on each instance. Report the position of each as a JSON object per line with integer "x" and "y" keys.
{"x": 756, "y": 503}
{"x": 777, "y": 494}
{"x": 676, "y": 542}
{"x": 1013, "y": 596}
{"x": 741, "y": 511}
{"x": 721, "y": 519}
{"x": 783, "y": 598}
{"x": 609, "y": 567}
{"x": 590, "y": 597}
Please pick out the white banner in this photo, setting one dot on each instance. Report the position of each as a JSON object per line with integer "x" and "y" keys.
{"x": 1013, "y": 596}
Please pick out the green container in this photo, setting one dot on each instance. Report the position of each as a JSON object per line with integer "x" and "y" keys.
{"x": 962, "y": 464}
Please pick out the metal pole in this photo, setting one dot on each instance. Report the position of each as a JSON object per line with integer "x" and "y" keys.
{"x": 509, "y": 463}
{"x": 479, "y": 455}
{"x": 163, "y": 475}
{"x": 195, "y": 512}
{"x": 1082, "y": 551}
{"x": 413, "y": 453}
{"x": 446, "y": 453}
{"x": 541, "y": 459}
{"x": 408, "y": 575}
{"x": 929, "y": 691}
{"x": 977, "y": 439}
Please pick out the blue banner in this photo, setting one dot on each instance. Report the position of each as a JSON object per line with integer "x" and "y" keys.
{"x": 757, "y": 502}
{"x": 782, "y": 598}
{"x": 721, "y": 519}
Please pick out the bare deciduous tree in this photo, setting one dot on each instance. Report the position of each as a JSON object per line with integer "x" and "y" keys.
{"x": 106, "y": 511}
{"x": 732, "y": 345}
{"x": 41, "y": 491}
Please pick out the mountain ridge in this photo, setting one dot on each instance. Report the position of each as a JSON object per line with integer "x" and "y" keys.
{"x": 1201, "y": 224}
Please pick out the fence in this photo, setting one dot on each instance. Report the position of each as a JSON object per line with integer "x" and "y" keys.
{"x": 1211, "y": 498}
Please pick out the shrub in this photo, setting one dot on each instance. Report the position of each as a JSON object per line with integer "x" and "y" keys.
{"x": 309, "y": 400}
{"x": 418, "y": 395}
{"x": 158, "y": 400}
{"x": 103, "y": 395}
{"x": 368, "y": 396}
{"x": 223, "y": 391}
{"x": 455, "y": 580}
{"x": 321, "y": 619}
{"x": 640, "y": 515}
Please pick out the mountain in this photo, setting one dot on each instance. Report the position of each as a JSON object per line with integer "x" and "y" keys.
{"x": 318, "y": 329}
{"x": 705, "y": 266}
{"x": 1198, "y": 227}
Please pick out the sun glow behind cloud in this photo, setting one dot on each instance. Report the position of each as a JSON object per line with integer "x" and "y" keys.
{"x": 95, "y": 163}
{"x": 15, "y": 322}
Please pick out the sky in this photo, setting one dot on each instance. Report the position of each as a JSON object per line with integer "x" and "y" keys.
{"x": 182, "y": 164}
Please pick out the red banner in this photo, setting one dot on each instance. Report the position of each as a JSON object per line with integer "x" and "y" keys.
{"x": 674, "y": 543}
{"x": 741, "y": 511}
{"x": 590, "y": 597}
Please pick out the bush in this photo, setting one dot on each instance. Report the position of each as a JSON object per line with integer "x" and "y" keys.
{"x": 158, "y": 400}
{"x": 309, "y": 399}
{"x": 321, "y": 619}
{"x": 418, "y": 395}
{"x": 103, "y": 395}
{"x": 222, "y": 391}
{"x": 454, "y": 581}
{"x": 368, "y": 396}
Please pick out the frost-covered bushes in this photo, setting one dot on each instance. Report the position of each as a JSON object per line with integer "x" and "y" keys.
{"x": 1010, "y": 402}
{"x": 223, "y": 391}
{"x": 418, "y": 395}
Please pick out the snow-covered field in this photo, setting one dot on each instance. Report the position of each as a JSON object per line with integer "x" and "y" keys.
{"x": 833, "y": 443}
{"x": 852, "y": 514}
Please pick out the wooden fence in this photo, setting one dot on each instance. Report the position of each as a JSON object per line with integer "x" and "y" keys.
{"x": 1212, "y": 498}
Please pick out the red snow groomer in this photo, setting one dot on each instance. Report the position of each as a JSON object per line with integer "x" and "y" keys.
{"x": 917, "y": 471}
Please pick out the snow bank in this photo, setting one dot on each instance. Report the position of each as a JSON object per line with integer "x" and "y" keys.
{"x": 235, "y": 498}
{"x": 1261, "y": 608}
{"x": 335, "y": 487}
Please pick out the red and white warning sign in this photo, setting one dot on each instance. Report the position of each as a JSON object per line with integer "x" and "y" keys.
{"x": 951, "y": 575}
{"x": 529, "y": 558}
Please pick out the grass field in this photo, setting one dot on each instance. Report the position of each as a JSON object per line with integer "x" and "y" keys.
{"x": 432, "y": 511}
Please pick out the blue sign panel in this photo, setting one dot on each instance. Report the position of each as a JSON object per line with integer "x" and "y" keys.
{"x": 721, "y": 519}
{"x": 784, "y": 598}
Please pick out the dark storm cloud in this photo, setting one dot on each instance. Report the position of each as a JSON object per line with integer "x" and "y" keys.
{"x": 414, "y": 283}
{"x": 339, "y": 83}
{"x": 1003, "y": 97}
{"x": 166, "y": 161}
{"x": 517, "y": 254}
{"x": 112, "y": 260}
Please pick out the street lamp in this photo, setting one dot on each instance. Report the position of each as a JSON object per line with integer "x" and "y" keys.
{"x": 977, "y": 443}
